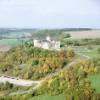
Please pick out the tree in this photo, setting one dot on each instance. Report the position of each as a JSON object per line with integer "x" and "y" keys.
{"x": 98, "y": 50}
{"x": 67, "y": 35}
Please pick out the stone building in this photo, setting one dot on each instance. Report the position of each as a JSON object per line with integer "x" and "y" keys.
{"x": 48, "y": 43}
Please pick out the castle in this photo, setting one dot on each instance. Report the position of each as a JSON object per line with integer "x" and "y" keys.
{"x": 48, "y": 43}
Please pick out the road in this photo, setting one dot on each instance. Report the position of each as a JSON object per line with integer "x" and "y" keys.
{"x": 27, "y": 91}
{"x": 16, "y": 81}
{"x": 20, "y": 82}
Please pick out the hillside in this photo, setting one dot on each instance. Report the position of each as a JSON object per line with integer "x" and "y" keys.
{"x": 33, "y": 63}
{"x": 36, "y": 74}
{"x": 62, "y": 73}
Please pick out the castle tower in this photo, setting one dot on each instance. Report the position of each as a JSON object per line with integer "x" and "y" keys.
{"x": 48, "y": 38}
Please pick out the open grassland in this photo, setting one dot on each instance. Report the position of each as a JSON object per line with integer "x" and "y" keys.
{"x": 11, "y": 42}
{"x": 90, "y": 51}
{"x": 95, "y": 82}
{"x": 48, "y": 97}
{"x": 84, "y": 34}
{"x": 13, "y": 38}
{"x": 91, "y": 54}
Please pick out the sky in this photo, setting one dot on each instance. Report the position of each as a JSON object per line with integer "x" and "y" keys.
{"x": 50, "y": 13}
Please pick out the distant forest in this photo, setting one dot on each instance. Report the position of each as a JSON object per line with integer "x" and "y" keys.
{"x": 4, "y": 30}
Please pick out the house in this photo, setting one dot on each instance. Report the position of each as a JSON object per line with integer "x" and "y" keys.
{"x": 48, "y": 43}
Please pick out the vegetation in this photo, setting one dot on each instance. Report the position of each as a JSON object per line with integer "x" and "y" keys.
{"x": 31, "y": 97}
{"x": 33, "y": 63}
{"x": 80, "y": 81}
{"x": 95, "y": 80}
{"x": 56, "y": 32}
{"x": 7, "y": 88}
{"x": 80, "y": 42}
{"x": 71, "y": 84}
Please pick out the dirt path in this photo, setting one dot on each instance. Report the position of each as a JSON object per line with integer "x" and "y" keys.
{"x": 4, "y": 48}
{"x": 19, "y": 82}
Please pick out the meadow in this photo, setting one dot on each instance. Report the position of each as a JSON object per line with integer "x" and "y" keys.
{"x": 95, "y": 82}
{"x": 12, "y": 42}
{"x": 91, "y": 52}
{"x": 13, "y": 38}
{"x": 48, "y": 97}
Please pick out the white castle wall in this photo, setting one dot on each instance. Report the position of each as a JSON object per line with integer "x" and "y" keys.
{"x": 37, "y": 43}
{"x": 46, "y": 45}
{"x": 54, "y": 45}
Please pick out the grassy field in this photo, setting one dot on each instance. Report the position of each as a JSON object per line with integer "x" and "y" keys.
{"x": 11, "y": 42}
{"x": 48, "y": 97}
{"x": 13, "y": 38}
{"x": 92, "y": 53}
{"x": 86, "y": 51}
{"x": 95, "y": 82}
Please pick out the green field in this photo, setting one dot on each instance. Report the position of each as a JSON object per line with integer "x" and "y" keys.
{"x": 11, "y": 42}
{"x": 14, "y": 38}
{"x": 48, "y": 97}
{"x": 91, "y": 54}
{"x": 95, "y": 82}
{"x": 86, "y": 51}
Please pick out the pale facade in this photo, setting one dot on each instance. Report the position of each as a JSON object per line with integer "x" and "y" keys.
{"x": 47, "y": 44}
